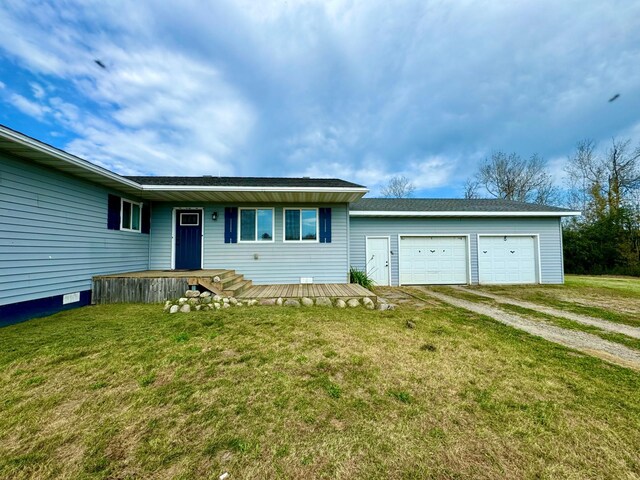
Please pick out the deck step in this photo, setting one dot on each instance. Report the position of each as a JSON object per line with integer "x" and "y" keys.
{"x": 237, "y": 288}
{"x": 209, "y": 285}
{"x": 230, "y": 280}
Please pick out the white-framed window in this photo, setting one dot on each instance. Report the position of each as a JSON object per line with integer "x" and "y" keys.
{"x": 130, "y": 215}
{"x": 255, "y": 224}
{"x": 300, "y": 224}
{"x": 189, "y": 219}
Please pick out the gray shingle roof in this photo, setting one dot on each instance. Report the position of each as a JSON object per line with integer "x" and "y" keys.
{"x": 448, "y": 205}
{"x": 245, "y": 182}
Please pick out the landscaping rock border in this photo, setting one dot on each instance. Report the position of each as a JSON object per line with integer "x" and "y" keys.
{"x": 205, "y": 301}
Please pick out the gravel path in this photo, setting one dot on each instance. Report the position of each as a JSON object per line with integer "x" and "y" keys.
{"x": 584, "y": 342}
{"x": 576, "y": 317}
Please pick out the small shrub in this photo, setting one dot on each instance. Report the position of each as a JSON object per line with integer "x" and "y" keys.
{"x": 360, "y": 277}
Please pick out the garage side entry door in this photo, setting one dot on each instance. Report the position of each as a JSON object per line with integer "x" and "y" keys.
{"x": 433, "y": 260}
{"x": 507, "y": 259}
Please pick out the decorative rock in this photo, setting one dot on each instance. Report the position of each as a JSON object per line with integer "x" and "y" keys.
{"x": 353, "y": 302}
{"x": 225, "y": 300}
{"x": 192, "y": 293}
{"x": 216, "y": 279}
{"x": 252, "y": 303}
{"x": 340, "y": 303}
{"x": 391, "y": 306}
{"x": 198, "y": 307}
{"x": 217, "y": 298}
{"x": 323, "y": 302}
{"x": 279, "y": 301}
{"x": 216, "y": 305}
{"x": 369, "y": 306}
{"x": 367, "y": 301}
{"x": 205, "y": 299}
{"x": 205, "y": 294}
{"x": 268, "y": 301}
{"x": 307, "y": 302}
{"x": 186, "y": 308}
{"x": 174, "y": 309}
{"x": 192, "y": 301}
{"x": 290, "y": 302}
{"x": 182, "y": 300}
{"x": 382, "y": 306}
{"x": 226, "y": 305}
{"x": 233, "y": 301}
{"x": 167, "y": 305}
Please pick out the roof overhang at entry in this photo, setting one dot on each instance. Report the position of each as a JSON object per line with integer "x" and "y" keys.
{"x": 185, "y": 193}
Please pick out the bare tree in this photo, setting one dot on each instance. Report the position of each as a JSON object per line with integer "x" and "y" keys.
{"x": 603, "y": 183}
{"x": 398, "y": 187}
{"x": 512, "y": 177}
{"x": 471, "y": 187}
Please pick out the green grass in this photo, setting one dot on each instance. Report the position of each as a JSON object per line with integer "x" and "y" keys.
{"x": 124, "y": 391}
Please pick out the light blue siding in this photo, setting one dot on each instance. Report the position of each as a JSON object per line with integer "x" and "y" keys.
{"x": 278, "y": 262}
{"x": 548, "y": 229}
{"x": 53, "y": 234}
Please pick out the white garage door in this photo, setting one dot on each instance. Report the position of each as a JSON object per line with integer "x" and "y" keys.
{"x": 433, "y": 260}
{"x": 507, "y": 259}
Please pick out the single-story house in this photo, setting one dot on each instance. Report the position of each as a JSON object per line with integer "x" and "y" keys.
{"x": 64, "y": 220}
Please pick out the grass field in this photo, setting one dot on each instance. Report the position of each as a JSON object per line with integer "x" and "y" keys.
{"x": 124, "y": 391}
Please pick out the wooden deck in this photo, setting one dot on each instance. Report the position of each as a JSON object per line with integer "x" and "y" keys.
{"x": 165, "y": 274}
{"x": 154, "y": 286}
{"x": 329, "y": 290}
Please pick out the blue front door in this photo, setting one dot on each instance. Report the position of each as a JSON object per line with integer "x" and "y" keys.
{"x": 188, "y": 239}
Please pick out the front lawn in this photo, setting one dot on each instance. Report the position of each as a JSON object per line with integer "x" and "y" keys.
{"x": 124, "y": 391}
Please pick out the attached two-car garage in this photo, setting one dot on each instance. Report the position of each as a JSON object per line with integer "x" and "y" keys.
{"x": 448, "y": 241}
{"x": 445, "y": 260}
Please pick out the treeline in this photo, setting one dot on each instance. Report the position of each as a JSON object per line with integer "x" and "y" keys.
{"x": 602, "y": 183}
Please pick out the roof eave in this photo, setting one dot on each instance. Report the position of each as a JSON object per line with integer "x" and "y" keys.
{"x": 66, "y": 162}
{"x": 176, "y": 193}
{"x": 383, "y": 213}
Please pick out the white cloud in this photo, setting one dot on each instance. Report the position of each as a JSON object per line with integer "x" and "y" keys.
{"x": 37, "y": 90}
{"x": 28, "y": 107}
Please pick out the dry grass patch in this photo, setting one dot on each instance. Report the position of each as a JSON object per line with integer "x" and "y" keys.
{"x": 124, "y": 391}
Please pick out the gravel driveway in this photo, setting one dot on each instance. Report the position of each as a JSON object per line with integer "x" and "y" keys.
{"x": 584, "y": 319}
{"x": 584, "y": 342}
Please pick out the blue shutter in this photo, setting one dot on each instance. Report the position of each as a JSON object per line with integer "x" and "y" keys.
{"x": 325, "y": 225}
{"x": 113, "y": 212}
{"x": 231, "y": 225}
{"x": 146, "y": 218}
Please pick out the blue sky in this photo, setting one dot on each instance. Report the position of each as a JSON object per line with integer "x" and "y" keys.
{"x": 357, "y": 90}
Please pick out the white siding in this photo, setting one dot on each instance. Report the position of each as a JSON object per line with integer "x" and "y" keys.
{"x": 54, "y": 236}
